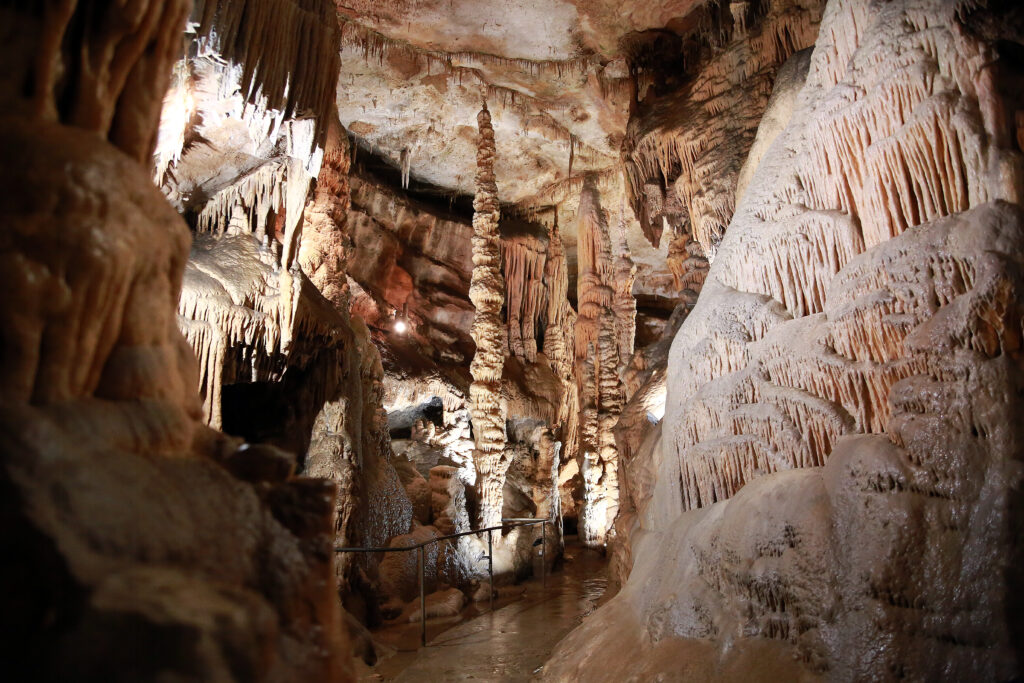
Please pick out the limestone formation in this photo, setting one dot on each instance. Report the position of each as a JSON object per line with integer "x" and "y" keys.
{"x": 839, "y": 398}
{"x": 603, "y": 339}
{"x": 487, "y": 292}
{"x": 743, "y": 318}
{"x": 147, "y": 545}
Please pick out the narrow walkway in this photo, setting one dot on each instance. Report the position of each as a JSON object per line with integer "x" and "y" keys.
{"x": 514, "y": 641}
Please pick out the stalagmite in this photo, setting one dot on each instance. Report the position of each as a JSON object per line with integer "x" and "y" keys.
{"x": 487, "y": 292}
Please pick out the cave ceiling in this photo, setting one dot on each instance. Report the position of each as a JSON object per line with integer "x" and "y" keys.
{"x": 554, "y": 73}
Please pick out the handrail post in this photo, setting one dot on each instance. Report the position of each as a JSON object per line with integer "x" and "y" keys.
{"x": 544, "y": 554}
{"x": 423, "y": 601}
{"x": 490, "y": 567}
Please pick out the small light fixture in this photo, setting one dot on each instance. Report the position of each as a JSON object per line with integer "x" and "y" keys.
{"x": 400, "y": 326}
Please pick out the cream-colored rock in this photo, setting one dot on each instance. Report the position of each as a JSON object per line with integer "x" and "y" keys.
{"x": 863, "y": 285}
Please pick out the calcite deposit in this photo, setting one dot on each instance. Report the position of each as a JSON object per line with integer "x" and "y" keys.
{"x": 487, "y": 292}
{"x": 838, "y": 400}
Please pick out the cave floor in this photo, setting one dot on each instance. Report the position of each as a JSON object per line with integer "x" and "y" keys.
{"x": 509, "y": 644}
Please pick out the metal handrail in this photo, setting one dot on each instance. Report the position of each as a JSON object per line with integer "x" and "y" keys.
{"x": 505, "y": 524}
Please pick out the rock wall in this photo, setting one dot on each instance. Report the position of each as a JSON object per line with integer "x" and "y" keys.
{"x": 687, "y": 142}
{"x": 265, "y": 182}
{"x": 412, "y": 260}
{"x": 840, "y": 400}
{"x": 138, "y": 543}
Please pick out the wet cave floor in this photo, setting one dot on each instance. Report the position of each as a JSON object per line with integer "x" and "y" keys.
{"x": 509, "y": 644}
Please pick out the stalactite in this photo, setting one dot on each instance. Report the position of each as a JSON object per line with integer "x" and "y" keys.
{"x": 259, "y": 196}
{"x": 691, "y": 147}
{"x": 837, "y": 247}
{"x": 523, "y": 259}
{"x": 406, "y": 163}
{"x": 241, "y": 329}
{"x": 466, "y": 69}
{"x": 487, "y": 292}
{"x": 376, "y": 46}
{"x": 289, "y": 48}
{"x": 559, "y": 343}
{"x": 607, "y": 180}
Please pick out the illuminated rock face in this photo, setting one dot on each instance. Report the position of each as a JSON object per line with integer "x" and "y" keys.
{"x": 603, "y": 339}
{"x": 266, "y": 297}
{"x": 812, "y": 469}
{"x": 796, "y": 234}
{"x": 835, "y": 489}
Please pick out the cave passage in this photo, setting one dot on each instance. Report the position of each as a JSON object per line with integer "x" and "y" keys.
{"x": 509, "y": 644}
{"x": 710, "y": 311}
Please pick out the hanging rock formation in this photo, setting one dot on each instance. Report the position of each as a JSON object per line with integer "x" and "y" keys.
{"x": 265, "y": 181}
{"x": 603, "y": 340}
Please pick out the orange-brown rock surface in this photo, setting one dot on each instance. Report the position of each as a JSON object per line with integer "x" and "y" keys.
{"x": 142, "y": 545}
{"x": 737, "y": 300}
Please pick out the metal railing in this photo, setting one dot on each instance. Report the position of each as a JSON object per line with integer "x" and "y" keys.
{"x": 505, "y": 524}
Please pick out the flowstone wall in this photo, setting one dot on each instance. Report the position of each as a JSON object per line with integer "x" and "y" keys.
{"x": 835, "y": 489}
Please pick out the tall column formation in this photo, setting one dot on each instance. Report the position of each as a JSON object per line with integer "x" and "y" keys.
{"x": 487, "y": 292}
{"x": 597, "y": 367}
{"x": 558, "y": 343}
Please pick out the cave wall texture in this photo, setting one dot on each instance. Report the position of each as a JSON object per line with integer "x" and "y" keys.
{"x": 835, "y": 488}
{"x": 139, "y": 544}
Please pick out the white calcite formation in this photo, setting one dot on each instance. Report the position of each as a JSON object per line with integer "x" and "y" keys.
{"x": 834, "y": 490}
